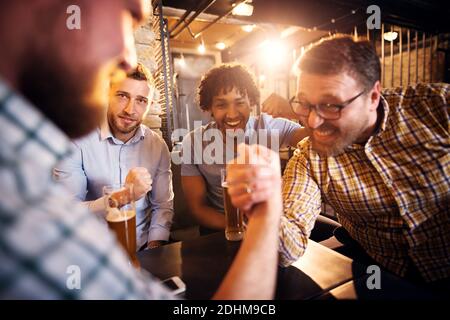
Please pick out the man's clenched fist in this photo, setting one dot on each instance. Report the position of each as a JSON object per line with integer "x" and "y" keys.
{"x": 141, "y": 180}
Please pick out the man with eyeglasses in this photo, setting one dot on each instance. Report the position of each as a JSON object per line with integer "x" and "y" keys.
{"x": 122, "y": 150}
{"x": 379, "y": 158}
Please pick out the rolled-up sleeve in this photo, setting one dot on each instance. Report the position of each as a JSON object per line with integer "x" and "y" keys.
{"x": 302, "y": 204}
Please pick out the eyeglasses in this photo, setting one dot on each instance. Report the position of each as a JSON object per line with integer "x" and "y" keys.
{"x": 328, "y": 111}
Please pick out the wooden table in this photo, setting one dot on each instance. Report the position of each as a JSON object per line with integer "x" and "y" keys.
{"x": 202, "y": 263}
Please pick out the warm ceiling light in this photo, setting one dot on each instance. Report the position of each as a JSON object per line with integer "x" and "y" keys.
{"x": 201, "y": 48}
{"x": 220, "y": 45}
{"x": 248, "y": 27}
{"x": 273, "y": 52}
{"x": 243, "y": 9}
{"x": 390, "y": 36}
{"x": 181, "y": 61}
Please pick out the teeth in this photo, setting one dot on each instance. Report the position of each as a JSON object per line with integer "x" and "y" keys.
{"x": 324, "y": 132}
{"x": 235, "y": 123}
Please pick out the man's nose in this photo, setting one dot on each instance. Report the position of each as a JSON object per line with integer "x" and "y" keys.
{"x": 232, "y": 113}
{"x": 129, "y": 109}
{"x": 314, "y": 120}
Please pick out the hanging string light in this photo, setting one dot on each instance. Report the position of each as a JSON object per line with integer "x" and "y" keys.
{"x": 334, "y": 20}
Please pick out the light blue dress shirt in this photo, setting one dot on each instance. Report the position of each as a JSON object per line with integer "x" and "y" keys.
{"x": 44, "y": 233}
{"x": 100, "y": 159}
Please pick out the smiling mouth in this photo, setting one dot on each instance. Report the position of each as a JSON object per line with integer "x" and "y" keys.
{"x": 325, "y": 134}
{"x": 232, "y": 123}
{"x": 127, "y": 120}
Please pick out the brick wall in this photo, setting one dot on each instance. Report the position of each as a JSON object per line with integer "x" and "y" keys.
{"x": 146, "y": 52}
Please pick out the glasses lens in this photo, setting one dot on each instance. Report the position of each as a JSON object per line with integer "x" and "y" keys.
{"x": 326, "y": 111}
{"x": 329, "y": 111}
{"x": 300, "y": 108}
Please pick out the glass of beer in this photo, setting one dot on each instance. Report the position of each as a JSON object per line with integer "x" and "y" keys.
{"x": 121, "y": 217}
{"x": 234, "y": 229}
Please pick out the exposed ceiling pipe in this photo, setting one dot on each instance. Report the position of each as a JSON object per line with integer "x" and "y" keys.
{"x": 217, "y": 19}
{"x": 204, "y": 5}
{"x": 175, "y": 13}
{"x": 185, "y": 14}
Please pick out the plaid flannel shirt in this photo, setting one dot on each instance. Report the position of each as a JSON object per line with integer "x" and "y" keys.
{"x": 392, "y": 194}
{"x": 50, "y": 246}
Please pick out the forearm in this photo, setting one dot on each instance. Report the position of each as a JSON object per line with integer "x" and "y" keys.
{"x": 293, "y": 242}
{"x": 257, "y": 256}
{"x": 209, "y": 217}
{"x": 97, "y": 206}
{"x": 302, "y": 204}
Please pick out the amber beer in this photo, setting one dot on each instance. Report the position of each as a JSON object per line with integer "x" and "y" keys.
{"x": 123, "y": 223}
{"x": 234, "y": 229}
{"x": 121, "y": 217}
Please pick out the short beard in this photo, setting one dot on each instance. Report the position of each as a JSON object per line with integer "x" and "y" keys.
{"x": 338, "y": 146}
{"x": 63, "y": 100}
{"x": 115, "y": 127}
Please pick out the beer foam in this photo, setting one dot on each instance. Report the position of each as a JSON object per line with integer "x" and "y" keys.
{"x": 115, "y": 215}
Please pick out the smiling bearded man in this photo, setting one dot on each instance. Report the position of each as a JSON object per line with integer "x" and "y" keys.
{"x": 379, "y": 158}
{"x": 123, "y": 150}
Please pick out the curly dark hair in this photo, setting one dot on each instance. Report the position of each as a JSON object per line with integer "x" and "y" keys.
{"x": 342, "y": 53}
{"x": 226, "y": 77}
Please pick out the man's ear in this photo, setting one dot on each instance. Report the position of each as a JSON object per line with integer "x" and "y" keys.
{"x": 375, "y": 96}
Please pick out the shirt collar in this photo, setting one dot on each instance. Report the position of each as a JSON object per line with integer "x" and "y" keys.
{"x": 30, "y": 127}
{"x": 105, "y": 133}
{"x": 249, "y": 125}
{"x": 383, "y": 112}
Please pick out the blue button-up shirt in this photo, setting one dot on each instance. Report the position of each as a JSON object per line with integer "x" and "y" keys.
{"x": 101, "y": 159}
{"x": 45, "y": 237}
